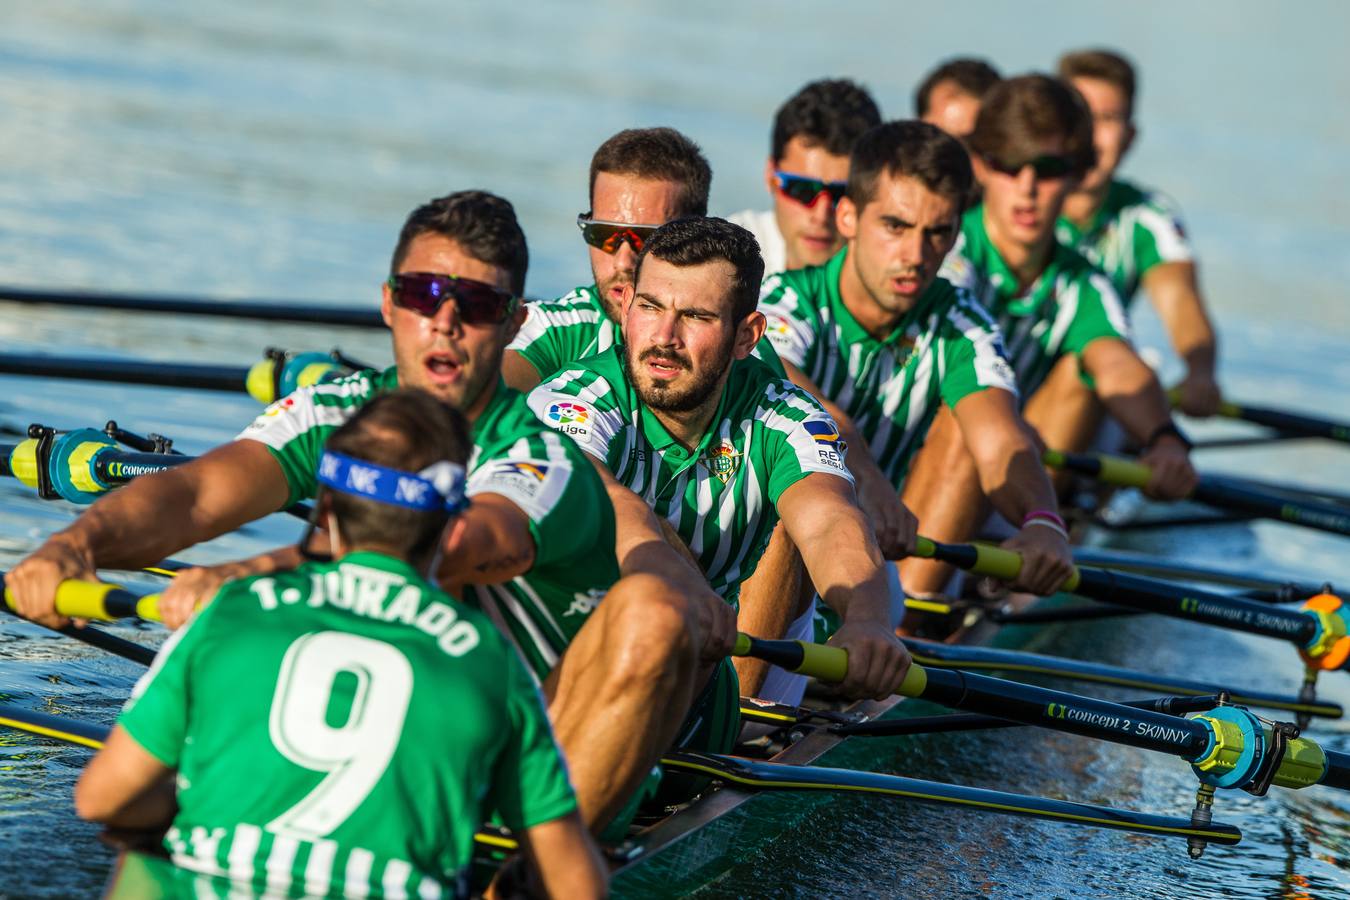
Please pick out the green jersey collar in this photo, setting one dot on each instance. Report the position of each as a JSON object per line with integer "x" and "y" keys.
{"x": 1117, "y": 198}
{"x": 851, "y": 330}
{"x": 982, "y": 253}
{"x": 373, "y": 559}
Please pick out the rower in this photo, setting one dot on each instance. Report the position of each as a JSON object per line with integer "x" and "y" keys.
{"x": 1135, "y": 236}
{"x": 344, "y": 726}
{"x": 883, "y": 342}
{"x": 640, "y": 179}
{"x": 807, "y": 168}
{"x": 1031, "y": 145}
{"x": 949, "y": 96}
{"x": 685, "y": 425}
{"x": 536, "y": 549}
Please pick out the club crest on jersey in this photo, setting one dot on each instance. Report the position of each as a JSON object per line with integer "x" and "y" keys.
{"x": 723, "y": 460}
{"x": 829, "y": 446}
{"x": 570, "y": 417}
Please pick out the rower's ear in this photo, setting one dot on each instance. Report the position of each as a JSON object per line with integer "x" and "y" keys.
{"x": 770, "y": 181}
{"x": 387, "y": 305}
{"x": 846, "y": 218}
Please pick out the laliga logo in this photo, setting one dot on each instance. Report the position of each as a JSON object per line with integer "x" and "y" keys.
{"x": 571, "y": 419}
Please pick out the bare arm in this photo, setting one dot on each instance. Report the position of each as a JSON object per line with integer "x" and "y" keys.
{"x": 1131, "y": 392}
{"x": 1175, "y": 291}
{"x": 894, "y": 525}
{"x": 151, "y": 518}
{"x": 124, "y": 786}
{"x": 1008, "y": 461}
{"x": 490, "y": 542}
{"x": 645, "y": 544}
{"x": 566, "y": 858}
{"x": 519, "y": 372}
{"x": 846, "y": 567}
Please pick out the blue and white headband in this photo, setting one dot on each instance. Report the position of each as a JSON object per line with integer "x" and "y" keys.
{"x": 440, "y": 486}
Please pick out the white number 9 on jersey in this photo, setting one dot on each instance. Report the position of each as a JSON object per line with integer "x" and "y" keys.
{"x": 355, "y": 754}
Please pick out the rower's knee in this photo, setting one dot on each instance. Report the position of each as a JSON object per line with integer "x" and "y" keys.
{"x": 649, "y": 630}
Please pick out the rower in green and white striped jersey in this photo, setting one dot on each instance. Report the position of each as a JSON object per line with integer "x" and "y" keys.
{"x": 576, "y": 326}
{"x": 1068, "y": 307}
{"x": 942, "y": 350}
{"x": 396, "y": 821}
{"x": 515, "y": 457}
{"x": 766, "y": 435}
{"x": 1133, "y": 231}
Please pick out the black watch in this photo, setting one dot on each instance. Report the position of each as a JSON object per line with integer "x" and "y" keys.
{"x": 1167, "y": 428}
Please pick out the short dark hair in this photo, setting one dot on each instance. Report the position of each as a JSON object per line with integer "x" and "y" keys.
{"x": 910, "y": 149}
{"x": 973, "y": 76}
{"x": 407, "y": 429}
{"x": 483, "y": 224}
{"x": 830, "y": 113}
{"x": 1021, "y": 112}
{"x": 659, "y": 154}
{"x": 697, "y": 240}
{"x": 1103, "y": 65}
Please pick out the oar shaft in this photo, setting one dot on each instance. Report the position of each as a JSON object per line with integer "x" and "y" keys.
{"x": 258, "y": 311}
{"x": 112, "y": 467}
{"x": 1290, "y": 423}
{"x": 178, "y": 375}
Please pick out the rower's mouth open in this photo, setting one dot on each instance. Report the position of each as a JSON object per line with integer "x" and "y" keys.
{"x": 1026, "y": 217}
{"x": 442, "y": 368}
{"x": 663, "y": 368}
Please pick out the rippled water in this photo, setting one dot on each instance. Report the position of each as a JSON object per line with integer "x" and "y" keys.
{"x": 253, "y": 149}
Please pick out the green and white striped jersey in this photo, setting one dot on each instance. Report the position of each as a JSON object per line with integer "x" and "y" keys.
{"x": 1133, "y": 231}
{"x": 1068, "y": 307}
{"x": 570, "y": 515}
{"x": 766, "y": 435}
{"x": 576, "y": 326}
{"x": 943, "y": 350}
{"x": 344, "y": 729}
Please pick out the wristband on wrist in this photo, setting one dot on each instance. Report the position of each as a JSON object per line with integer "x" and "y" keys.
{"x": 1047, "y": 514}
{"x": 1046, "y": 523}
{"x": 1168, "y": 428}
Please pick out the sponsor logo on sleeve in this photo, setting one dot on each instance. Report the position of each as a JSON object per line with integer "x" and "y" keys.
{"x": 829, "y": 446}
{"x": 520, "y": 476}
{"x": 571, "y": 417}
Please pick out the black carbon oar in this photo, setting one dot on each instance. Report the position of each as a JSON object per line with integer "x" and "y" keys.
{"x": 754, "y": 775}
{"x": 258, "y": 311}
{"x": 178, "y": 375}
{"x": 1225, "y": 493}
{"x": 1296, "y": 424}
{"x": 1257, "y": 587}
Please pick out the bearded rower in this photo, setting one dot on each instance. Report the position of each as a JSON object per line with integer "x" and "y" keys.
{"x": 639, "y": 179}
{"x": 1135, "y": 236}
{"x": 1031, "y": 145}
{"x": 805, "y": 173}
{"x": 620, "y": 675}
{"x": 883, "y": 342}
{"x": 272, "y": 793}
{"x": 684, "y": 423}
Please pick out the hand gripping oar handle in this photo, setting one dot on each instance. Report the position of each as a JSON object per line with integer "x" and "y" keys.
{"x": 1319, "y": 629}
{"x": 1220, "y": 493}
{"x": 96, "y": 600}
{"x": 1292, "y": 424}
{"x": 1229, "y": 747}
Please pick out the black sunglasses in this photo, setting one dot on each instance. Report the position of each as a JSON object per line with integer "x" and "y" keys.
{"x": 477, "y": 302}
{"x": 1048, "y": 166}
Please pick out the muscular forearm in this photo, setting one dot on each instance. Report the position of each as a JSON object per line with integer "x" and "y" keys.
{"x": 1015, "y": 481}
{"x": 845, "y": 565}
{"x": 1128, "y": 388}
{"x": 139, "y": 524}
{"x": 154, "y": 808}
{"x": 1175, "y": 293}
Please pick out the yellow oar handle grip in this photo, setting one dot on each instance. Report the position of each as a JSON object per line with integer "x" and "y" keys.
{"x": 982, "y": 559}
{"x": 1227, "y": 409}
{"x": 1117, "y": 470}
{"x": 818, "y": 660}
{"x": 96, "y": 600}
